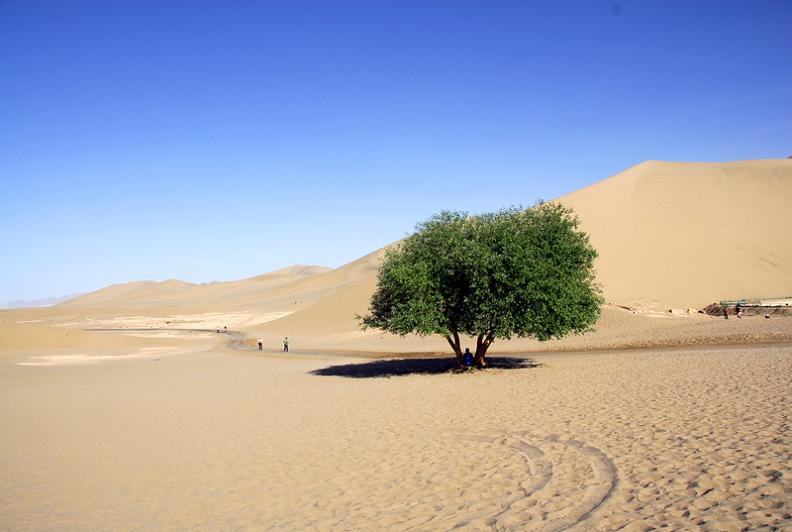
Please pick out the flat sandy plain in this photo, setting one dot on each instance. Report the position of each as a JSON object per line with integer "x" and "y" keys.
{"x": 195, "y": 435}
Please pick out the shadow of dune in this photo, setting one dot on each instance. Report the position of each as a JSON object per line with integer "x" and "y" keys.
{"x": 414, "y": 366}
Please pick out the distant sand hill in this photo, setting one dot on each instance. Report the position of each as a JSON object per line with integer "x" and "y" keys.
{"x": 669, "y": 235}
{"x": 233, "y": 295}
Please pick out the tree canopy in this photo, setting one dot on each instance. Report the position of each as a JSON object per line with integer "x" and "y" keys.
{"x": 524, "y": 273}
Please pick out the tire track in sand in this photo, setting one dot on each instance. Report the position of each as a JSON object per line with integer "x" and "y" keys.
{"x": 567, "y": 482}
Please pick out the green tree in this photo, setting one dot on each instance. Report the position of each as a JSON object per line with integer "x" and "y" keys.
{"x": 524, "y": 273}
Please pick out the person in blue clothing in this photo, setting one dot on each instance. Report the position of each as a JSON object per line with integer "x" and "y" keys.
{"x": 467, "y": 358}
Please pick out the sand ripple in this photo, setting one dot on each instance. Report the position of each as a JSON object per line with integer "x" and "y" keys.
{"x": 694, "y": 439}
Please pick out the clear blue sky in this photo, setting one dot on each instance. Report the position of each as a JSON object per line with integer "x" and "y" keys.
{"x": 220, "y": 140}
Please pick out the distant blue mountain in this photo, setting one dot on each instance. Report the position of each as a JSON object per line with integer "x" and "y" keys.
{"x": 48, "y": 302}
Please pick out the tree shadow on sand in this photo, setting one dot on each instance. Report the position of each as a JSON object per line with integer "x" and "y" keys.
{"x": 415, "y": 366}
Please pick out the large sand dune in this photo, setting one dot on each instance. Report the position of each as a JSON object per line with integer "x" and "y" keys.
{"x": 689, "y": 234}
{"x": 669, "y": 235}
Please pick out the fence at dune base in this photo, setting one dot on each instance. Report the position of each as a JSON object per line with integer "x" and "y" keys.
{"x": 772, "y": 302}
{"x": 777, "y": 306}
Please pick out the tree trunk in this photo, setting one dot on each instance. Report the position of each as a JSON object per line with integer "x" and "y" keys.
{"x": 482, "y": 344}
{"x": 455, "y": 345}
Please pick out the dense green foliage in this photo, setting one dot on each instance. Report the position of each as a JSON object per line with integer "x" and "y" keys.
{"x": 525, "y": 273}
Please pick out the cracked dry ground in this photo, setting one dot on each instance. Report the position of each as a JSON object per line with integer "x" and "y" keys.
{"x": 688, "y": 439}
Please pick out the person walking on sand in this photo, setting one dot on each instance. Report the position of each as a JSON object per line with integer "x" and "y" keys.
{"x": 738, "y": 311}
{"x": 286, "y": 344}
{"x": 261, "y": 344}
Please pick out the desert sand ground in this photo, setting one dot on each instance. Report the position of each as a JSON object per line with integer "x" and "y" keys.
{"x": 207, "y": 437}
{"x": 123, "y": 409}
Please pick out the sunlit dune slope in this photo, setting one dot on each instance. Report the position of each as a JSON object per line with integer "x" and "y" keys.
{"x": 669, "y": 235}
{"x": 335, "y": 298}
{"x": 688, "y": 234}
{"x": 175, "y": 293}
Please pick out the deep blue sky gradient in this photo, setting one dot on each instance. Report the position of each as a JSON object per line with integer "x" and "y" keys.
{"x": 220, "y": 140}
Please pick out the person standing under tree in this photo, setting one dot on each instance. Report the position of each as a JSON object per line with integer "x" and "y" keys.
{"x": 286, "y": 344}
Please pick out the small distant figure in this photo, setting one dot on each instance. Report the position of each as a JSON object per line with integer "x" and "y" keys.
{"x": 767, "y": 316}
{"x": 738, "y": 311}
{"x": 261, "y": 344}
{"x": 725, "y": 313}
{"x": 467, "y": 358}
{"x": 218, "y": 330}
{"x": 286, "y": 344}
{"x": 225, "y": 329}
